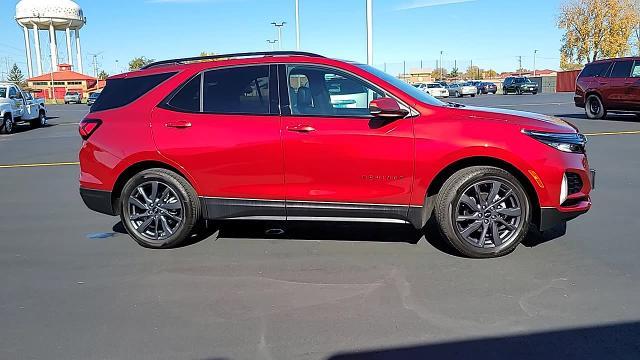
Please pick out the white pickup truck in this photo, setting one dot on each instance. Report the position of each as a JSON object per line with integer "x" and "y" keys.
{"x": 17, "y": 106}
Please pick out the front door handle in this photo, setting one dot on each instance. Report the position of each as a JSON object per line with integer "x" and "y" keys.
{"x": 301, "y": 128}
{"x": 178, "y": 124}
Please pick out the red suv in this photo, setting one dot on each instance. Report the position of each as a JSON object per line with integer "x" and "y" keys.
{"x": 297, "y": 136}
{"x": 611, "y": 85}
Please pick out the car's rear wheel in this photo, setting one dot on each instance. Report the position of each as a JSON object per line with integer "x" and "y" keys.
{"x": 483, "y": 212}
{"x": 518, "y": 91}
{"x": 159, "y": 208}
{"x": 594, "y": 107}
{"x": 504, "y": 91}
{"x": 7, "y": 125}
{"x": 40, "y": 121}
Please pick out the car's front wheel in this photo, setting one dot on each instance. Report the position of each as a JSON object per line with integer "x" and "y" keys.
{"x": 40, "y": 121}
{"x": 159, "y": 208}
{"x": 483, "y": 212}
{"x": 594, "y": 107}
{"x": 7, "y": 125}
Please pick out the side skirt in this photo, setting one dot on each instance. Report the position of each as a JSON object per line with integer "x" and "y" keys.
{"x": 249, "y": 209}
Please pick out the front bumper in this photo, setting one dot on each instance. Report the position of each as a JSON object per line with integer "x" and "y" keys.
{"x": 98, "y": 200}
{"x": 579, "y": 101}
{"x": 552, "y": 217}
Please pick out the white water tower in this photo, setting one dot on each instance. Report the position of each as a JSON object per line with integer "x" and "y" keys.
{"x": 51, "y": 15}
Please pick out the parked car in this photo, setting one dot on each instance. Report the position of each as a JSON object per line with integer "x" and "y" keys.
{"x": 92, "y": 98}
{"x": 462, "y": 89}
{"x": 487, "y": 88}
{"x": 257, "y": 136}
{"x": 436, "y": 90}
{"x": 609, "y": 86}
{"x": 519, "y": 85}
{"x": 17, "y": 107}
{"x": 476, "y": 83}
{"x": 72, "y": 97}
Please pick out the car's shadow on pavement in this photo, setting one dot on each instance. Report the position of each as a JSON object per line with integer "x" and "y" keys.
{"x": 611, "y": 341}
{"x": 610, "y": 117}
{"x": 338, "y": 231}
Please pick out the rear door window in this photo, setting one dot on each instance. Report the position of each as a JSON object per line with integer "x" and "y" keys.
{"x": 240, "y": 90}
{"x": 621, "y": 69}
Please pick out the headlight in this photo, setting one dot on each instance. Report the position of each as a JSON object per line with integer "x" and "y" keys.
{"x": 571, "y": 143}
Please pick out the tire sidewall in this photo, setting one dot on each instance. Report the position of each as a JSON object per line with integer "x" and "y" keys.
{"x": 453, "y": 197}
{"x": 8, "y": 125}
{"x": 588, "y": 111}
{"x": 190, "y": 216}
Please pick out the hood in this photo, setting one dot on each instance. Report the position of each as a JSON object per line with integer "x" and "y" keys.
{"x": 526, "y": 120}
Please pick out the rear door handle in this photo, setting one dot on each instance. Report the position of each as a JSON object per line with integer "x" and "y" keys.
{"x": 178, "y": 124}
{"x": 301, "y": 128}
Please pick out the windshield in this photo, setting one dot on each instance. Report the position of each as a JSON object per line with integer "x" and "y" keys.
{"x": 467, "y": 84}
{"x": 403, "y": 86}
{"x": 72, "y": 93}
{"x": 434, "y": 86}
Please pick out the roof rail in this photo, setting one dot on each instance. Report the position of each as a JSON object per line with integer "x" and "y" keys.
{"x": 226, "y": 56}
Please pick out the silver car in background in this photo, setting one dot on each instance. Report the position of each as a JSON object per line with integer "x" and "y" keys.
{"x": 462, "y": 89}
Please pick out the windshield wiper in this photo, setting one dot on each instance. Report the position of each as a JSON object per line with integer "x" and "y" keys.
{"x": 455, "y": 105}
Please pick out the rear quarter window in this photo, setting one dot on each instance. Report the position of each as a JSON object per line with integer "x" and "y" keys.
{"x": 593, "y": 70}
{"x": 121, "y": 92}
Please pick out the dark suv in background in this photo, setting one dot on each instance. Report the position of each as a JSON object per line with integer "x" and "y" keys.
{"x": 519, "y": 85}
{"x": 611, "y": 85}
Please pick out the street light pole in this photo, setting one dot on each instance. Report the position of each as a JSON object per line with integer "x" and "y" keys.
{"x": 279, "y": 26}
{"x": 297, "y": 24}
{"x": 534, "y": 62}
{"x": 369, "y": 32}
{"x": 441, "y": 67}
{"x": 272, "y": 43}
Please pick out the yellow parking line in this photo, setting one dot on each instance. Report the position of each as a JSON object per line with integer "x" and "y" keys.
{"x": 12, "y": 166}
{"x": 636, "y": 132}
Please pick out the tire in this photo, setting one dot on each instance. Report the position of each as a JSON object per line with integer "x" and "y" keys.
{"x": 504, "y": 92}
{"x": 458, "y": 94}
{"x": 594, "y": 108}
{"x": 184, "y": 204}
{"x": 8, "y": 126}
{"x": 473, "y": 95}
{"x": 450, "y": 202}
{"x": 40, "y": 121}
{"x": 534, "y": 93}
{"x": 518, "y": 91}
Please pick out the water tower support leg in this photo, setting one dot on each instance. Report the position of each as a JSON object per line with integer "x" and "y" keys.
{"x": 54, "y": 48}
{"x": 79, "y": 52}
{"x": 36, "y": 38}
{"x": 69, "y": 53}
{"x": 27, "y": 48}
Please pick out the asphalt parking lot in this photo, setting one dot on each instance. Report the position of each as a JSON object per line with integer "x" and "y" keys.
{"x": 73, "y": 286}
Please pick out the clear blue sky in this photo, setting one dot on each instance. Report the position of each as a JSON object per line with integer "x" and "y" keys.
{"x": 411, "y": 30}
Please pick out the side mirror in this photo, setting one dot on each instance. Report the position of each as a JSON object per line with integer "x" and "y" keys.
{"x": 387, "y": 108}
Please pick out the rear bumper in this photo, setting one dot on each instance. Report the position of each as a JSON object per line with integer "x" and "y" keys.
{"x": 98, "y": 200}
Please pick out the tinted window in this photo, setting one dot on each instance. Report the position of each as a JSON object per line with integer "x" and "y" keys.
{"x": 327, "y": 92}
{"x": 242, "y": 90}
{"x": 597, "y": 69}
{"x": 519, "y": 80}
{"x": 12, "y": 92}
{"x": 121, "y": 92}
{"x": 621, "y": 69}
{"x": 188, "y": 97}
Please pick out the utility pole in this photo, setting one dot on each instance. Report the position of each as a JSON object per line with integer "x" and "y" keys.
{"x": 471, "y": 68}
{"x": 520, "y": 64}
{"x": 534, "y": 62}
{"x": 272, "y": 43}
{"x": 441, "y": 67}
{"x": 95, "y": 64}
{"x": 369, "y": 32}
{"x": 279, "y": 27}
{"x": 297, "y": 24}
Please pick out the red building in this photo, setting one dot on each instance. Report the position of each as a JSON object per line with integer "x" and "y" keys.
{"x": 64, "y": 80}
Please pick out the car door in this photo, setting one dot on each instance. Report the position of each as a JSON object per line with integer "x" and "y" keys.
{"x": 339, "y": 161}
{"x": 17, "y": 102}
{"x": 632, "y": 91}
{"x": 228, "y": 140}
{"x": 617, "y": 84}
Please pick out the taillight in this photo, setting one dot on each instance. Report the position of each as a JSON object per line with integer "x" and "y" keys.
{"x": 88, "y": 127}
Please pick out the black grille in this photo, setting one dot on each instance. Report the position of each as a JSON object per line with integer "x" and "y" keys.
{"x": 574, "y": 181}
